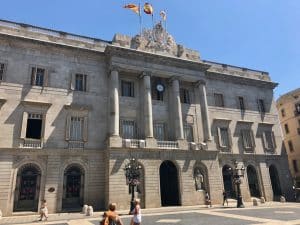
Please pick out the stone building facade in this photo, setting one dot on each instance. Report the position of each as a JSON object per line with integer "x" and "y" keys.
{"x": 75, "y": 110}
{"x": 288, "y": 106}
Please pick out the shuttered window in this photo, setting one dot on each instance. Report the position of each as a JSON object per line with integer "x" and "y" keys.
{"x": 188, "y": 132}
{"x": 128, "y": 129}
{"x": 159, "y": 131}
{"x": 248, "y": 139}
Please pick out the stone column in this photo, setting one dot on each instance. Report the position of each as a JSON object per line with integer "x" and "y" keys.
{"x": 148, "y": 119}
{"x": 204, "y": 111}
{"x": 114, "y": 102}
{"x": 177, "y": 110}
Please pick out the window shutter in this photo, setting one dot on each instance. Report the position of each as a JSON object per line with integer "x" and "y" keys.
{"x": 219, "y": 136}
{"x": 274, "y": 140}
{"x": 33, "y": 73}
{"x": 72, "y": 82}
{"x": 46, "y": 79}
{"x": 24, "y": 125}
{"x": 86, "y": 83}
{"x": 68, "y": 128}
{"x": 258, "y": 105}
{"x": 85, "y": 129}
{"x": 229, "y": 137}
{"x": 264, "y": 138}
{"x": 252, "y": 139}
{"x": 243, "y": 135}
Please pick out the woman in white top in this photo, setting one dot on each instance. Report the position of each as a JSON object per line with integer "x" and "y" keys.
{"x": 137, "y": 214}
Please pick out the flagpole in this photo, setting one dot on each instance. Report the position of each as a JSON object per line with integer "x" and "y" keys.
{"x": 140, "y": 19}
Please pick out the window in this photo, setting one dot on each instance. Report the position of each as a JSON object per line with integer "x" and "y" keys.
{"x": 188, "y": 132}
{"x": 269, "y": 140}
{"x": 291, "y": 147}
{"x": 184, "y": 96}
{"x": 248, "y": 139}
{"x": 219, "y": 101}
{"x": 38, "y": 76}
{"x": 76, "y": 128}
{"x": 282, "y": 112}
{"x": 34, "y": 126}
{"x": 127, "y": 88}
{"x": 224, "y": 137}
{"x": 128, "y": 129}
{"x": 159, "y": 131}
{"x": 295, "y": 166}
{"x": 2, "y": 71}
{"x": 261, "y": 105}
{"x": 286, "y": 128}
{"x": 297, "y": 107}
{"x": 80, "y": 82}
{"x": 241, "y": 103}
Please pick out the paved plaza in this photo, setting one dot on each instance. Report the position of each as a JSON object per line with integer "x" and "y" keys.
{"x": 269, "y": 213}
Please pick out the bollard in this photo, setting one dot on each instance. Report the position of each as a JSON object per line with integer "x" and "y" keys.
{"x": 90, "y": 211}
{"x": 255, "y": 202}
{"x": 262, "y": 200}
{"x": 84, "y": 209}
{"x": 282, "y": 199}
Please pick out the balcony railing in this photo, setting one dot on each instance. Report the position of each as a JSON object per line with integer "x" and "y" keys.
{"x": 134, "y": 143}
{"x": 167, "y": 144}
{"x": 32, "y": 143}
{"x": 76, "y": 145}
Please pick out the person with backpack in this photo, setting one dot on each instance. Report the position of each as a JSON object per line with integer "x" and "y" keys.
{"x": 136, "y": 212}
{"x": 111, "y": 217}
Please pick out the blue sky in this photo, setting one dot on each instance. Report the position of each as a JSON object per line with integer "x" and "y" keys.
{"x": 257, "y": 34}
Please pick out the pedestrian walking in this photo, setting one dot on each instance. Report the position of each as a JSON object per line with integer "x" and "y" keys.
{"x": 136, "y": 212}
{"x": 207, "y": 200}
{"x": 43, "y": 211}
{"x": 111, "y": 217}
{"x": 225, "y": 198}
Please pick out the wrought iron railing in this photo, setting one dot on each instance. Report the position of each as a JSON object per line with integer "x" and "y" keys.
{"x": 76, "y": 145}
{"x": 32, "y": 143}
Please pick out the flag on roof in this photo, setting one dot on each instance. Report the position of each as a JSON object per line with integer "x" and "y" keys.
{"x": 135, "y": 8}
{"x": 163, "y": 15}
{"x": 148, "y": 9}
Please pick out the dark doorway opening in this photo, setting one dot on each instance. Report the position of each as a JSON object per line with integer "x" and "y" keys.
{"x": 227, "y": 172}
{"x": 27, "y": 189}
{"x": 73, "y": 189}
{"x": 253, "y": 182}
{"x": 275, "y": 182}
{"x": 169, "y": 184}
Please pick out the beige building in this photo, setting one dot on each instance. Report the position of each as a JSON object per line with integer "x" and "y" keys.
{"x": 288, "y": 106}
{"x": 75, "y": 110}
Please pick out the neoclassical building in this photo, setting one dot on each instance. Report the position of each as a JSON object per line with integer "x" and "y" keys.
{"x": 75, "y": 110}
{"x": 288, "y": 106}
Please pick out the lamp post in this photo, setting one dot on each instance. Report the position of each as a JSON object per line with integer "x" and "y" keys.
{"x": 132, "y": 173}
{"x": 238, "y": 174}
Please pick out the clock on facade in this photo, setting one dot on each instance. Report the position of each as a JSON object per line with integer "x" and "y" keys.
{"x": 160, "y": 87}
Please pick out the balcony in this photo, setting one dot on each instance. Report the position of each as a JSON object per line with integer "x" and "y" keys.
{"x": 167, "y": 144}
{"x": 31, "y": 143}
{"x": 198, "y": 146}
{"x": 76, "y": 145}
{"x": 134, "y": 143}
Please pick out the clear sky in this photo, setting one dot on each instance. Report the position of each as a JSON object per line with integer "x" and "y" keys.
{"x": 257, "y": 34}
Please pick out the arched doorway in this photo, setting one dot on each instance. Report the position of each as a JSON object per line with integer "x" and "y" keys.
{"x": 275, "y": 181}
{"x": 169, "y": 184}
{"x": 73, "y": 188}
{"x": 27, "y": 188}
{"x": 227, "y": 172}
{"x": 253, "y": 182}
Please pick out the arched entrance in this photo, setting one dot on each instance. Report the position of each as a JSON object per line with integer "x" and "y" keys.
{"x": 253, "y": 182}
{"x": 73, "y": 188}
{"x": 27, "y": 188}
{"x": 169, "y": 184}
{"x": 227, "y": 172}
{"x": 275, "y": 181}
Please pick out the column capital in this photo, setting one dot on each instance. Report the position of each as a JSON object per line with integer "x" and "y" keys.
{"x": 171, "y": 79}
{"x": 145, "y": 73}
{"x": 114, "y": 68}
{"x": 200, "y": 82}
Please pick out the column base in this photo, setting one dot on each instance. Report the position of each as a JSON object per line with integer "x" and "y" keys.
{"x": 151, "y": 142}
{"x": 115, "y": 142}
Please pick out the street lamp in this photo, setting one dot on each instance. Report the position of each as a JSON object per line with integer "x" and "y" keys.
{"x": 238, "y": 174}
{"x": 132, "y": 173}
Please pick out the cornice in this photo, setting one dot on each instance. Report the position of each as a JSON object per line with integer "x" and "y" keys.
{"x": 240, "y": 80}
{"x": 36, "y": 103}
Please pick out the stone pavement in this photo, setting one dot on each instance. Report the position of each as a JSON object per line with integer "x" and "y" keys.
{"x": 81, "y": 219}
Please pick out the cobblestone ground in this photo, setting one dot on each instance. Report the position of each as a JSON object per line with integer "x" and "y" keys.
{"x": 265, "y": 214}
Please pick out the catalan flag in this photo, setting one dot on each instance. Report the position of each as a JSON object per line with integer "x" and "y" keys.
{"x": 135, "y": 8}
{"x": 148, "y": 9}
